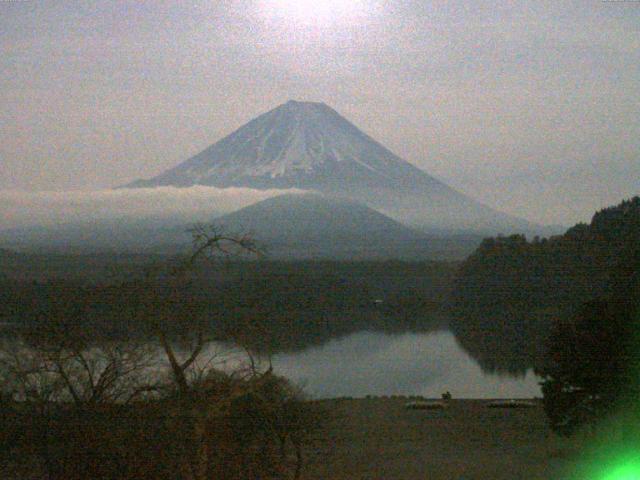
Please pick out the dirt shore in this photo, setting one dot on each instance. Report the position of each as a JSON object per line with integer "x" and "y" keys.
{"x": 378, "y": 438}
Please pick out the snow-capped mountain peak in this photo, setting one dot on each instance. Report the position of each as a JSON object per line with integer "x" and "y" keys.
{"x": 288, "y": 143}
{"x": 308, "y": 145}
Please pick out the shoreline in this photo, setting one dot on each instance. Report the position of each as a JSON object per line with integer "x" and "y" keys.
{"x": 379, "y": 438}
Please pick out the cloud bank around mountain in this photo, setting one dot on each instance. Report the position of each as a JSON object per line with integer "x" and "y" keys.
{"x": 199, "y": 203}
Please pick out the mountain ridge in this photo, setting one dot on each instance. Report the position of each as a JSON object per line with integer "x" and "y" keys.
{"x": 316, "y": 217}
{"x": 309, "y": 145}
{"x": 305, "y": 226}
{"x": 289, "y": 143}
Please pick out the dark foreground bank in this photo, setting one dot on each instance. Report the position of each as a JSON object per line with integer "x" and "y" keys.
{"x": 378, "y": 438}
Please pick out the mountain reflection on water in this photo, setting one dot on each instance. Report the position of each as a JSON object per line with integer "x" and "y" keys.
{"x": 387, "y": 355}
{"x": 374, "y": 363}
{"x": 375, "y": 353}
{"x": 387, "y": 348}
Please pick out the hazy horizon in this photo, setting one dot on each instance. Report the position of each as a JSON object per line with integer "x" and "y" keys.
{"x": 532, "y": 109}
{"x": 20, "y": 209}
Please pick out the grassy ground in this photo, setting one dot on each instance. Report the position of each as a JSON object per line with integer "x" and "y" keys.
{"x": 379, "y": 439}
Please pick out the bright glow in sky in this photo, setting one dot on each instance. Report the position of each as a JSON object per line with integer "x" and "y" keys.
{"x": 316, "y": 11}
{"x": 320, "y": 14}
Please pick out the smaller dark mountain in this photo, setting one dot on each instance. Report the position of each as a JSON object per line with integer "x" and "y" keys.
{"x": 288, "y": 227}
{"x": 311, "y": 217}
{"x": 311, "y": 225}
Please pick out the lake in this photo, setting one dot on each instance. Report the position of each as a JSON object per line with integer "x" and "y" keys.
{"x": 374, "y": 363}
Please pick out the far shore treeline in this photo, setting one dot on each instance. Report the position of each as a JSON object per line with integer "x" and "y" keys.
{"x": 508, "y": 296}
{"x": 274, "y": 305}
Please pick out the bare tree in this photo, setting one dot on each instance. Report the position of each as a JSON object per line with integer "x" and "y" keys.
{"x": 210, "y": 244}
{"x": 49, "y": 385}
{"x": 239, "y": 423}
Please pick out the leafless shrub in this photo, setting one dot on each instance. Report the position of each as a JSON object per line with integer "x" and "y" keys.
{"x": 82, "y": 406}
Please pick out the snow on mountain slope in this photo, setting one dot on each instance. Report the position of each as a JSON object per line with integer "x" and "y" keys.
{"x": 298, "y": 141}
{"x": 310, "y": 146}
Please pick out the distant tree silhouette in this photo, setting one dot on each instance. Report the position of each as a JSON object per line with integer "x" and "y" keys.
{"x": 592, "y": 366}
{"x": 510, "y": 293}
{"x": 589, "y": 371}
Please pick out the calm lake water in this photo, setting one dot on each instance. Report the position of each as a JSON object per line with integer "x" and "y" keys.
{"x": 368, "y": 363}
{"x": 381, "y": 363}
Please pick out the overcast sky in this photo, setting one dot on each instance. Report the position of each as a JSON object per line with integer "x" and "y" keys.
{"x": 531, "y": 107}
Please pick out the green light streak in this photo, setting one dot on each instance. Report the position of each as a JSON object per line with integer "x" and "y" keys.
{"x": 629, "y": 470}
{"x": 616, "y": 462}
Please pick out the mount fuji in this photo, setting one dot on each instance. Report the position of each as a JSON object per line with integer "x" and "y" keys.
{"x": 309, "y": 146}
